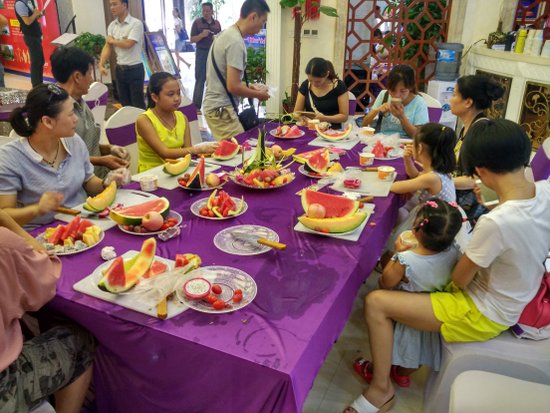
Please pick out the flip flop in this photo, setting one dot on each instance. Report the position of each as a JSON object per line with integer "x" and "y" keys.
{"x": 362, "y": 405}
{"x": 361, "y": 366}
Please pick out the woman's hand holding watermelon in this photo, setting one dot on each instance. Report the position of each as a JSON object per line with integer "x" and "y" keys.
{"x": 205, "y": 148}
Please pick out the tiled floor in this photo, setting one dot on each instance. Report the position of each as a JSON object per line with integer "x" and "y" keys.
{"x": 337, "y": 384}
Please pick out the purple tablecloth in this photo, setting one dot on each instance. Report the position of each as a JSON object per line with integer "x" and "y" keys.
{"x": 263, "y": 358}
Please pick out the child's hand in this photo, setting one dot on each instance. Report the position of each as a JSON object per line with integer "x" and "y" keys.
{"x": 408, "y": 151}
{"x": 477, "y": 193}
{"x": 385, "y": 108}
{"x": 397, "y": 110}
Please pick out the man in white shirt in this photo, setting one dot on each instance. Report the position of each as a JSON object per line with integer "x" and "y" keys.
{"x": 125, "y": 35}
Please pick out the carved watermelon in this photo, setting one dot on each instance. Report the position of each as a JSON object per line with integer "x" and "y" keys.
{"x": 117, "y": 279}
{"x": 228, "y": 149}
{"x": 196, "y": 180}
{"x": 132, "y": 215}
{"x": 318, "y": 163}
{"x": 334, "y": 135}
{"x": 336, "y": 206}
{"x": 334, "y": 225}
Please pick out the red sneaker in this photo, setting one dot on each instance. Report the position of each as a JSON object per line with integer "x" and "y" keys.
{"x": 400, "y": 380}
{"x": 361, "y": 366}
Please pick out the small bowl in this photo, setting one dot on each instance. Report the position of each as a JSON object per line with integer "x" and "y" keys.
{"x": 385, "y": 173}
{"x": 366, "y": 158}
{"x": 408, "y": 239}
{"x": 149, "y": 183}
{"x": 197, "y": 288}
{"x": 367, "y": 131}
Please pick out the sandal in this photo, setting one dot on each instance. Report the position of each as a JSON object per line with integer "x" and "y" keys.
{"x": 361, "y": 366}
{"x": 362, "y": 405}
{"x": 400, "y": 380}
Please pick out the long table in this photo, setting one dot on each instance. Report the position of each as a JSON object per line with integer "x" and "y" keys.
{"x": 263, "y": 358}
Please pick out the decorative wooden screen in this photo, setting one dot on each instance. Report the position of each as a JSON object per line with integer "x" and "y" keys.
{"x": 412, "y": 29}
{"x": 532, "y": 13}
{"x": 535, "y": 115}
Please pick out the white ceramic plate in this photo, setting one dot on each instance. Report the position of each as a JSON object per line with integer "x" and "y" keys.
{"x": 225, "y": 242}
{"x": 302, "y": 170}
{"x": 198, "y": 205}
{"x": 66, "y": 250}
{"x": 398, "y": 153}
{"x": 229, "y": 279}
{"x": 171, "y": 214}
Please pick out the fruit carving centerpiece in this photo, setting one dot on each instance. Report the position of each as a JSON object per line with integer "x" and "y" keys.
{"x": 262, "y": 170}
{"x": 329, "y": 213}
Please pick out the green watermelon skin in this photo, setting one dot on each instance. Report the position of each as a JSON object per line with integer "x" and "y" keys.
{"x": 114, "y": 276}
{"x": 336, "y": 206}
{"x": 134, "y": 214}
{"x": 318, "y": 163}
{"x": 227, "y": 150}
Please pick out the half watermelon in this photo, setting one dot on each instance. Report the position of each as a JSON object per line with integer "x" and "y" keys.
{"x": 336, "y": 206}
{"x": 132, "y": 215}
{"x": 228, "y": 149}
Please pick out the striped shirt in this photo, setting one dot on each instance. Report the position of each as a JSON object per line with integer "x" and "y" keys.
{"x": 23, "y": 173}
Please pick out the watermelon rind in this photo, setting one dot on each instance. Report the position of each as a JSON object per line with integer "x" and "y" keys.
{"x": 103, "y": 200}
{"x": 334, "y": 225}
{"x": 334, "y": 136}
{"x": 318, "y": 163}
{"x": 336, "y": 206}
{"x": 226, "y": 150}
{"x": 129, "y": 216}
{"x": 196, "y": 180}
{"x": 177, "y": 168}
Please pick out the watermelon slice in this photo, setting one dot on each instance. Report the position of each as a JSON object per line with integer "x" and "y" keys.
{"x": 318, "y": 163}
{"x": 336, "y": 206}
{"x": 334, "y": 225}
{"x": 116, "y": 274}
{"x": 132, "y": 215}
{"x": 334, "y": 135}
{"x": 157, "y": 267}
{"x": 196, "y": 180}
{"x": 228, "y": 149}
{"x": 294, "y": 132}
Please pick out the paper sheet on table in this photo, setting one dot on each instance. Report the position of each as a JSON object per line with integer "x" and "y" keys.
{"x": 126, "y": 197}
{"x": 168, "y": 181}
{"x": 370, "y": 184}
{"x": 88, "y": 286}
{"x": 234, "y": 162}
{"x": 346, "y": 143}
{"x": 352, "y": 236}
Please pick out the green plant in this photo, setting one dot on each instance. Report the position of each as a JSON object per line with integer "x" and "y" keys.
{"x": 300, "y": 17}
{"x": 255, "y": 65}
{"x": 90, "y": 43}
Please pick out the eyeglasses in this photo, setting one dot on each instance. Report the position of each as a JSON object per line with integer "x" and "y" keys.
{"x": 54, "y": 91}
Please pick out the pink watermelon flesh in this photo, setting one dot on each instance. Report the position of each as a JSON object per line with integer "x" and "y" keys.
{"x": 157, "y": 267}
{"x": 196, "y": 180}
{"x": 318, "y": 163}
{"x": 335, "y": 205}
{"x": 293, "y": 132}
{"x": 226, "y": 150}
{"x": 139, "y": 210}
{"x": 115, "y": 275}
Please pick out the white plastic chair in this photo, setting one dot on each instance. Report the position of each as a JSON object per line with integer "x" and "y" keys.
{"x": 507, "y": 355}
{"x": 188, "y": 108}
{"x": 477, "y": 391}
{"x": 43, "y": 407}
{"x": 434, "y": 107}
{"x": 96, "y": 99}
{"x": 120, "y": 129}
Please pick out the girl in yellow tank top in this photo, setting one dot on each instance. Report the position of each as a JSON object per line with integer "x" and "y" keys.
{"x": 162, "y": 130}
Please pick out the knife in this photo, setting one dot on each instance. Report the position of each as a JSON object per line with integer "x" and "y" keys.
{"x": 253, "y": 239}
{"x": 70, "y": 211}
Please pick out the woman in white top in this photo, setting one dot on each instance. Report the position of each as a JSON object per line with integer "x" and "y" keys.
{"x": 181, "y": 37}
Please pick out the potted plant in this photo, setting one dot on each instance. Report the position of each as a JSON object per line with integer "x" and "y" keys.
{"x": 93, "y": 45}
{"x": 302, "y": 11}
{"x": 287, "y": 104}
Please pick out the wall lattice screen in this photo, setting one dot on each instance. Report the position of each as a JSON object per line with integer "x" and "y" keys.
{"x": 411, "y": 30}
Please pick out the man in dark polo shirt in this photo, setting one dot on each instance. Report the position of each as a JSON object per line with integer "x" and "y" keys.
{"x": 202, "y": 33}
{"x": 28, "y": 14}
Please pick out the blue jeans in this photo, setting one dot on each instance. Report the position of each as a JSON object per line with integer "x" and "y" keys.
{"x": 201, "y": 56}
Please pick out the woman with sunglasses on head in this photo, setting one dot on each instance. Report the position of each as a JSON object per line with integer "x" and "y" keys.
{"x": 50, "y": 165}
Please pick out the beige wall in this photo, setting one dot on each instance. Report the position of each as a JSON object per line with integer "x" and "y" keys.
{"x": 90, "y": 16}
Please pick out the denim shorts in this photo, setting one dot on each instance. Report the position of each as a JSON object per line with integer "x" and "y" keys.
{"x": 46, "y": 364}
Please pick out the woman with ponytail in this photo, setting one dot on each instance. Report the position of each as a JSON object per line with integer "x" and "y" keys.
{"x": 49, "y": 166}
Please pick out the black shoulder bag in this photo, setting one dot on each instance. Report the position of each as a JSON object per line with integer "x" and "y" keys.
{"x": 248, "y": 117}
{"x": 381, "y": 115}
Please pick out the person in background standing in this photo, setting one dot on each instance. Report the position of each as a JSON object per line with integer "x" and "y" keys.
{"x": 125, "y": 35}
{"x": 181, "y": 37}
{"x": 28, "y": 14}
{"x": 229, "y": 54}
{"x": 202, "y": 33}
{"x": 3, "y": 23}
